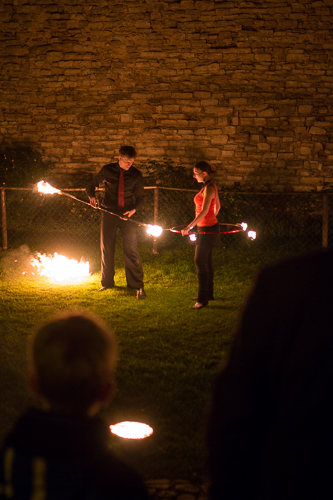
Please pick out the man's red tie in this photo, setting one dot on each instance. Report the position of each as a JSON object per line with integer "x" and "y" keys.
{"x": 121, "y": 189}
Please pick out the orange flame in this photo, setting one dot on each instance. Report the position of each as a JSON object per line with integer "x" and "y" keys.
{"x": 60, "y": 268}
{"x": 46, "y": 188}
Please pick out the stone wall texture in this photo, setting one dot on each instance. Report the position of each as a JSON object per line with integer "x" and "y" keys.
{"x": 245, "y": 85}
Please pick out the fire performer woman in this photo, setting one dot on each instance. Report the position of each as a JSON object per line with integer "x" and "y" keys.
{"x": 207, "y": 206}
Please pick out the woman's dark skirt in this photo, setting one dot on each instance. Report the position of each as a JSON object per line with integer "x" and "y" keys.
{"x": 212, "y": 238}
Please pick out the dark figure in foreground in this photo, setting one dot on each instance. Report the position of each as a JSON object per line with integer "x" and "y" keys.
{"x": 207, "y": 206}
{"x": 124, "y": 195}
{"x": 62, "y": 452}
{"x": 270, "y": 433}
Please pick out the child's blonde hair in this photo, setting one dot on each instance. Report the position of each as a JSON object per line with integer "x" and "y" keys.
{"x": 73, "y": 356}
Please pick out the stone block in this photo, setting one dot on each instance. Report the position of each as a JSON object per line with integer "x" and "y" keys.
{"x": 305, "y": 150}
{"x": 182, "y": 95}
{"x": 317, "y": 131}
{"x": 126, "y": 118}
{"x": 167, "y": 108}
{"x": 262, "y": 57}
{"x": 263, "y": 146}
{"x": 208, "y": 121}
{"x": 206, "y": 69}
{"x": 245, "y": 122}
{"x": 238, "y": 101}
{"x": 218, "y": 110}
{"x": 229, "y": 130}
{"x": 260, "y": 122}
{"x": 95, "y": 26}
{"x": 220, "y": 139}
{"x": 266, "y": 112}
{"x": 234, "y": 178}
{"x": 310, "y": 181}
{"x": 286, "y": 156}
{"x": 209, "y": 102}
{"x": 154, "y": 152}
{"x": 202, "y": 95}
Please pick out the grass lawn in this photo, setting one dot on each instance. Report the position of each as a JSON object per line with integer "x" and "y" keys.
{"x": 168, "y": 352}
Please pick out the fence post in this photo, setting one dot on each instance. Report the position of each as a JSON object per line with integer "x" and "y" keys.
{"x": 325, "y": 221}
{"x": 155, "y": 244}
{"x": 3, "y": 219}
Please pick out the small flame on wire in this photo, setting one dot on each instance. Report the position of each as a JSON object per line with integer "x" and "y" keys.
{"x": 193, "y": 237}
{"x": 131, "y": 430}
{"x": 252, "y": 235}
{"x": 155, "y": 231}
{"x": 46, "y": 188}
{"x": 244, "y": 226}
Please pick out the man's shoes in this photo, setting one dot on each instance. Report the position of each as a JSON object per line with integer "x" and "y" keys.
{"x": 140, "y": 294}
{"x": 197, "y": 305}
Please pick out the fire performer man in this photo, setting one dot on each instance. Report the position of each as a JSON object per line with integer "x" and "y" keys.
{"x": 124, "y": 194}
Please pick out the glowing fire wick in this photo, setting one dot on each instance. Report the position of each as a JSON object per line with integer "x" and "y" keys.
{"x": 46, "y": 188}
{"x": 154, "y": 230}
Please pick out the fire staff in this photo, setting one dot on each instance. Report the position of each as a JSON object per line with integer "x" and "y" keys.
{"x": 124, "y": 194}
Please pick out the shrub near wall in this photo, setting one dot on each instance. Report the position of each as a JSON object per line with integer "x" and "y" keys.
{"x": 246, "y": 85}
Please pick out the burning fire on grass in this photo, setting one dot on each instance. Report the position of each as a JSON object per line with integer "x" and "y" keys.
{"x": 59, "y": 268}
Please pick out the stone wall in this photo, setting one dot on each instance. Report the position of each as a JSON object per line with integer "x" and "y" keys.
{"x": 246, "y": 85}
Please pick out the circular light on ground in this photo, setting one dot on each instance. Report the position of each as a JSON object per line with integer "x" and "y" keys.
{"x": 131, "y": 430}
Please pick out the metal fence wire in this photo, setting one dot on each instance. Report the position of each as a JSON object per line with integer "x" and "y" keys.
{"x": 57, "y": 223}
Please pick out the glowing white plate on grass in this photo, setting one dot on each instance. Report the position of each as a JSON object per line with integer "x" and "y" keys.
{"x": 131, "y": 430}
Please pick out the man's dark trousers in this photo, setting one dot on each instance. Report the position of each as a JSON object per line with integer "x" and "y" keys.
{"x": 132, "y": 260}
